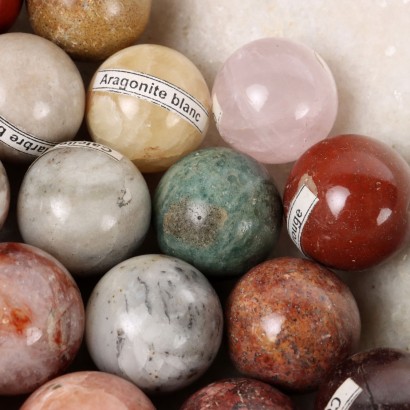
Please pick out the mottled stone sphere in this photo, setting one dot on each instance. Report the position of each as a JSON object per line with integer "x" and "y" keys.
{"x": 372, "y": 379}
{"x": 219, "y": 210}
{"x": 238, "y": 393}
{"x": 274, "y": 98}
{"x": 85, "y": 204}
{"x": 156, "y": 321}
{"x": 89, "y": 30}
{"x": 151, "y": 103}
{"x": 42, "y": 97}
{"x": 347, "y": 202}
{"x": 88, "y": 390}
{"x": 41, "y": 318}
{"x": 289, "y": 322}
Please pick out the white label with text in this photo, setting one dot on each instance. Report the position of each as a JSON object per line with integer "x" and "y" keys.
{"x": 90, "y": 145}
{"x": 156, "y": 91}
{"x": 299, "y": 211}
{"x": 344, "y": 396}
{"x": 22, "y": 141}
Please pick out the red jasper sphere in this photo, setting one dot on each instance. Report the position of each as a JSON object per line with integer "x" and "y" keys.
{"x": 347, "y": 202}
{"x": 9, "y": 11}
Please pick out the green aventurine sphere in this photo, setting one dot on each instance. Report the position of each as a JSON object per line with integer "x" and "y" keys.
{"x": 218, "y": 210}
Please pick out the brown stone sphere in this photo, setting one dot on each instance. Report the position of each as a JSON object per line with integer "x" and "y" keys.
{"x": 89, "y": 30}
{"x": 289, "y": 322}
{"x": 238, "y": 393}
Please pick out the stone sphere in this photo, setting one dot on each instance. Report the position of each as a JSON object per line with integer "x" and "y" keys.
{"x": 85, "y": 204}
{"x": 4, "y": 195}
{"x": 371, "y": 379}
{"x": 88, "y": 390}
{"x": 274, "y": 98}
{"x": 42, "y": 98}
{"x": 89, "y": 30}
{"x": 289, "y": 322}
{"x": 347, "y": 202}
{"x": 219, "y": 210}
{"x": 238, "y": 393}
{"x": 41, "y": 318}
{"x": 156, "y": 321}
{"x": 151, "y": 103}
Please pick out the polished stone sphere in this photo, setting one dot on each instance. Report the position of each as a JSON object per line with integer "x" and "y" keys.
{"x": 89, "y": 30}
{"x": 85, "y": 204}
{"x": 156, "y": 321}
{"x": 88, "y": 390}
{"x": 238, "y": 393}
{"x": 274, "y": 98}
{"x": 151, "y": 103}
{"x": 289, "y": 322}
{"x": 347, "y": 202}
{"x": 377, "y": 378}
{"x": 219, "y": 210}
{"x": 41, "y": 318}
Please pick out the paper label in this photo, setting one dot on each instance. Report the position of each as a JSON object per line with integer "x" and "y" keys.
{"x": 22, "y": 141}
{"x": 299, "y": 211}
{"x": 156, "y": 91}
{"x": 344, "y": 396}
{"x": 216, "y": 109}
{"x": 90, "y": 145}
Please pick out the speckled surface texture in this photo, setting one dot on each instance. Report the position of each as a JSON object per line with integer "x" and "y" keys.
{"x": 154, "y": 320}
{"x": 238, "y": 393}
{"x": 219, "y": 210}
{"x": 90, "y": 30}
{"x": 289, "y": 322}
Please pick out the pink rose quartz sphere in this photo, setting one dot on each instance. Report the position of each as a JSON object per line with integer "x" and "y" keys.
{"x": 41, "y": 318}
{"x": 273, "y": 99}
{"x": 88, "y": 390}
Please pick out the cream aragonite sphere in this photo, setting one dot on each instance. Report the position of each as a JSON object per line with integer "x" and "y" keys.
{"x": 89, "y": 30}
{"x": 151, "y": 103}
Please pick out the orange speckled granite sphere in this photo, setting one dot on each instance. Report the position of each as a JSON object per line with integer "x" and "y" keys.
{"x": 289, "y": 322}
{"x": 89, "y": 30}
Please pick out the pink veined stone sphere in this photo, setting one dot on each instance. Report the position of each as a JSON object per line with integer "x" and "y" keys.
{"x": 88, "y": 390}
{"x": 274, "y": 98}
{"x": 41, "y": 318}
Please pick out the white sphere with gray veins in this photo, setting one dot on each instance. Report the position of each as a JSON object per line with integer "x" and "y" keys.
{"x": 84, "y": 204}
{"x": 154, "y": 320}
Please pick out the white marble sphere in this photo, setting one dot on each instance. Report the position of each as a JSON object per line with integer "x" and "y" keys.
{"x": 154, "y": 320}
{"x": 86, "y": 205}
{"x": 42, "y": 96}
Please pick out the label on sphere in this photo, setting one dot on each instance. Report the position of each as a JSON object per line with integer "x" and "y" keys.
{"x": 90, "y": 145}
{"x": 154, "y": 90}
{"x": 299, "y": 211}
{"x": 22, "y": 141}
{"x": 344, "y": 396}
